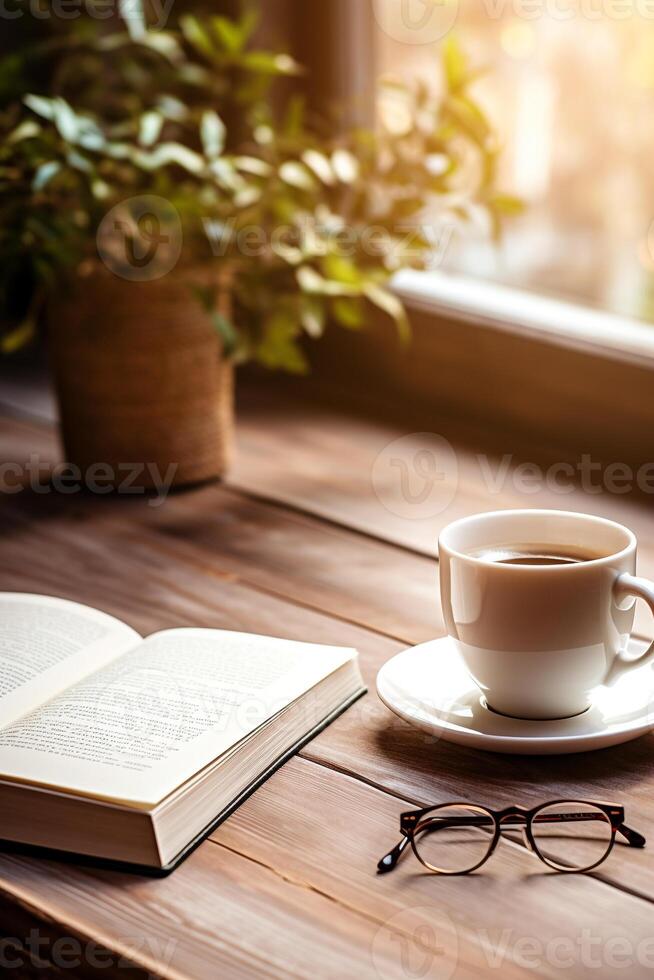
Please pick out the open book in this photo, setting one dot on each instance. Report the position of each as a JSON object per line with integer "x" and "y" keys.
{"x": 131, "y": 749}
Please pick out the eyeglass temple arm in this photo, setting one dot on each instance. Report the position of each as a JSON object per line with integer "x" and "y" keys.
{"x": 633, "y": 838}
{"x": 389, "y": 860}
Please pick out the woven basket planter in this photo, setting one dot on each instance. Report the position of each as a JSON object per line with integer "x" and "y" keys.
{"x": 141, "y": 379}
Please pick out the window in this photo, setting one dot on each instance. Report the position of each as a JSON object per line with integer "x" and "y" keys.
{"x": 570, "y": 89}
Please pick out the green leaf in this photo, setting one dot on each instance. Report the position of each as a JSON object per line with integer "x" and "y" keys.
{"x": 390, "y": 304}
{"x": 309, "y": 280}
{"x": 264, "y": 135}
{"x": 229, "y": 34}
{"x": 226, "y": 175}
{"x": 213, "y": 133}
{"x": 79, "y": 162}
{"x": 253, "y": 165}
{"x": 342, "y": 269}
{"x": 287, "y": 253}
{"x": 469, "y": 118}
{"x": 248, "y": 24}
{"x": 455, "y": 64}
{"x": 297, "y": 175}
{"x": 346, "y": 166}
{"x": 313, "y": 283}
{"x": 150, "y": 125}
{"x": 247, "y": 196}
{"x": 26, "y": 130}
{"x": 313, "y": 315}
{"x": 507, "y": 204}
{"x": 197, "y": 36}
{"x": 100, "y": 189}
{"x": 172, "y": 108}
{"x": 283, "y": 356}
{"x": 320, "y": 165}
{"x": 348, "y": 312}
{"x": 66, "y": 121}
{"x": 165, "y": 44}
{"x": 89, "y": 135}
{"x": 279, "y": 349}
{"x": 207, "y": 296}
{"x": 41, "y": 106}
{"x": 131, "y": 11}
{"x": 293, "y": 124}
{"x": 169, "y": 153}
{"x": 15, "y": 339}
{"x": 226, "y": 331}
{"x": 270, "y": 64}
{"x": 45, "y": 173}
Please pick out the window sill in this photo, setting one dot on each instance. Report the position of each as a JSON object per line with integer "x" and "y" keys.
{"x": 528, "y": 315}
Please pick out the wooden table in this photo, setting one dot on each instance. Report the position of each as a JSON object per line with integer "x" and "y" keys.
{"x": 298, "y": 544}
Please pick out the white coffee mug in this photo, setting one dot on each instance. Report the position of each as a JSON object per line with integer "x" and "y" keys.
{"x": 538, "y": 638}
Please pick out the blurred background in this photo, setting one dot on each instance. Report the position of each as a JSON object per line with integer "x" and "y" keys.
{"x": 570, "y": 90}
{"x": 512, "y": 133}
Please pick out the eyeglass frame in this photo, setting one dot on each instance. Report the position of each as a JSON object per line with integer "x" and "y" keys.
{"x": 410, "y": 824}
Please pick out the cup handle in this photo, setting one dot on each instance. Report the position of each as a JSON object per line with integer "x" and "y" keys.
{"x": 627, "y": 586}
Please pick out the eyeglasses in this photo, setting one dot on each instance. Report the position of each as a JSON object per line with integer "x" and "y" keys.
{"x": 456, "y": 838}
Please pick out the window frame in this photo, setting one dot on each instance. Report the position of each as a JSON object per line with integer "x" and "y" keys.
{"x": 528, "y": 314}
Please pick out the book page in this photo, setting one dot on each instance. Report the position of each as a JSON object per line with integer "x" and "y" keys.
{"x": 47, "y": 644}
{"x": 140, "y": 727}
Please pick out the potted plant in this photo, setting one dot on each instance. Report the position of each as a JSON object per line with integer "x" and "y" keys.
{"x": 172, "y": 225}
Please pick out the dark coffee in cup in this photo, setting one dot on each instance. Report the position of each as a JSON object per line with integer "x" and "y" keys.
{"x": 537, "y": 554}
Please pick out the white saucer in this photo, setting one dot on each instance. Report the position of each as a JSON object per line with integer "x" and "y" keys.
{"x": 429, "y": 687}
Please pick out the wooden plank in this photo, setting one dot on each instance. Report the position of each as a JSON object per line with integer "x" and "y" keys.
{"x": 387, "y": 753}
{"x": 116, "y": 567}
{"x": 322, "y": 461}
{"x": 349, "y": 575}
{"x": 292, "y": 887}
{"x": 338, "y": 854}
{"x": 70, "y": 548}
{"x": 298, "y": 557}
{"x": 100, "y": 563}
{"x": 220, "y": 914}
{"x": 33, "y": 946}
{"x": 83, "y": 559}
